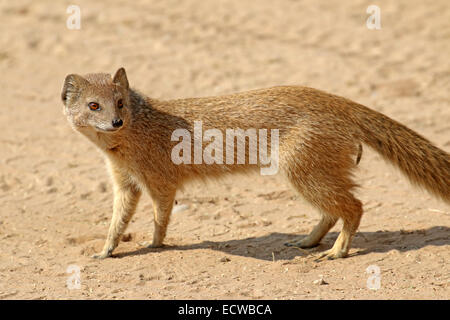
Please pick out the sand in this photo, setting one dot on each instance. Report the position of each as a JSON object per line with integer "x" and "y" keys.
{"x": 226, "y": 239}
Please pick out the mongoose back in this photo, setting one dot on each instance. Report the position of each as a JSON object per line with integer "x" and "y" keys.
{"x": 320, "y": 136}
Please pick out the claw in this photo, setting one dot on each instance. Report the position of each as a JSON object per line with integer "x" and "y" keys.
{"x": 102, "y": 255}
{"x": 331, "y": 254}
{"x": 99, "y": 256}
{"x": 303, "y": 244}
{"x": 289, "y": 244}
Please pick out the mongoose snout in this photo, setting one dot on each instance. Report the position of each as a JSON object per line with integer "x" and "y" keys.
{"x": 117, "y": 123}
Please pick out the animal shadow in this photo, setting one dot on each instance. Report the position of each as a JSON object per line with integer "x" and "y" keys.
{"x": 271, "y": 246}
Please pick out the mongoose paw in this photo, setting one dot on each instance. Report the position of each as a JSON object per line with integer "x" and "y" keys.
{"x": 304, "y": 243}
{"x": 154, "y": 245}
{"x": 102, "y": 255}
{"x": 332, "y": 254}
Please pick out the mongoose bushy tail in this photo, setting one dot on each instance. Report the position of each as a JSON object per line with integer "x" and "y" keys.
{"x": 423, "y": 163}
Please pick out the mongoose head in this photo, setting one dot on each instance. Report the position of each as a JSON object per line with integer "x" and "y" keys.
{"x": 97, "y": 102}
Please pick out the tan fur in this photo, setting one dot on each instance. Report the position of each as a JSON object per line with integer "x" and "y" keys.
{"x": 320, "y": 137}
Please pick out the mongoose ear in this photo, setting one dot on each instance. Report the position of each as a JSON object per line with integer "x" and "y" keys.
{"x": 120, "y": 78}
{"x": 72, "y": 84}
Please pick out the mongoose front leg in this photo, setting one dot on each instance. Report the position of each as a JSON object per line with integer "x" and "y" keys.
{"x": 126, "y": 197}
{"x": 162, "y": 208}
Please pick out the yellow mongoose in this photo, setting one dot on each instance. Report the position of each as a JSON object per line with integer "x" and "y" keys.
{"x": 320, "y": 137}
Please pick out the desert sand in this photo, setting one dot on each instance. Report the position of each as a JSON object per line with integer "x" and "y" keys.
{"x": 225, "y": 240}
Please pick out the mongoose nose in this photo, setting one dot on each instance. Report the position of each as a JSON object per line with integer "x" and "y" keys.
{"x": 117, "y": 123}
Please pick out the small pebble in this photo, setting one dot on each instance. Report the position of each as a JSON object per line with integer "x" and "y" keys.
{"x": 320, "y": 281}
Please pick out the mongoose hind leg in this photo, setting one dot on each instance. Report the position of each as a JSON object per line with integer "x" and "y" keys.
{"x": 344, "y": 206}
{"x": 342, "y": 244}
{"x": 323, "y": 178}
{"x": 320, "y": 230}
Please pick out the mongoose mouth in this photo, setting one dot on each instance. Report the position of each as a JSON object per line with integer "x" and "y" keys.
{"x": 114, "y": 149}
{"x": 109, "y": 130}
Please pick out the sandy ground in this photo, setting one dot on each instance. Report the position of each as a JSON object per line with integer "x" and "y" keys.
{"x": 55, "y": 195}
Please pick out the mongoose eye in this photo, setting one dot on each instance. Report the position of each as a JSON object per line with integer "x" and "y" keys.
{"x": 120, "y": 104}
{"x": 94, "y": 106}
